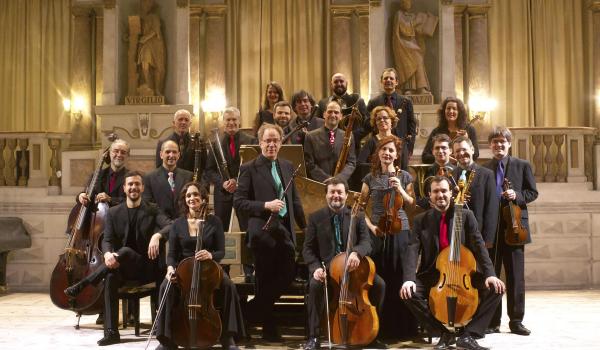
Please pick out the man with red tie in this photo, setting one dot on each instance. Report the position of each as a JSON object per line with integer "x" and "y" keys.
{"x": 432, "y": 232}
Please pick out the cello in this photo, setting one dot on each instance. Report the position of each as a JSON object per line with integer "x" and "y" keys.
{"x": 198, "y": 322}
{"x": 82, "y": 255}
{"x": 453, "y": 300}
{"x": 353, "y": 319}
{"x": 514, "y": 233}
{"x": 390, "y": 222}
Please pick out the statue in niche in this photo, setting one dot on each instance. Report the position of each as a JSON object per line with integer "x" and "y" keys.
{"x": 146, "y": 54}
{"x": 408, "y": 43}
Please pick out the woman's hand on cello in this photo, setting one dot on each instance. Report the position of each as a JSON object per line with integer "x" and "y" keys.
{"x": 319, "y": 274}
{"x": 203, "y": 255}
{"x": 171, "y": 274}
{"x": 353, "y": 261}
{"x": 407, "y": 289}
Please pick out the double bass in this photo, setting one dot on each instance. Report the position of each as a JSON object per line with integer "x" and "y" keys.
{"x": 353, "y": 319}
{"x": 514, "y": 233}
{"x": 198, "y": 322}
{"x": 82, "y": 255}
{"x": 453, "y": 300}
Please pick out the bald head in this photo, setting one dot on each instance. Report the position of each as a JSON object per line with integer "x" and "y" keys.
{"x": 182, "y": 119}
{"x": 339, "y": 84}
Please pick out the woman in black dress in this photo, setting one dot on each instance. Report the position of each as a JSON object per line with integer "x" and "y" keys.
{"x": 452, "y": 121}
{"x": 182, "y": 244}
{"x": 273, "y": 94}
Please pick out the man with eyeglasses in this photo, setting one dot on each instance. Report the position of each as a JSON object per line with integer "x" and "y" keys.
{"x": 260, "y": 194}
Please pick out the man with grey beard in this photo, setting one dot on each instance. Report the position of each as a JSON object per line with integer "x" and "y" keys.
{"x": 326, "y": 236}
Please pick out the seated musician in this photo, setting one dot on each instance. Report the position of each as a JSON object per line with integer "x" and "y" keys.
{"x": 443, "y": 160}
{"x": 322, "y": 147}
{"x": 132, "y": 235}
{"x": 430, "y": 235}
{"x": 182, "y": 244}
{"x": 384, "y": 179}
{"x": 326, "y": 236}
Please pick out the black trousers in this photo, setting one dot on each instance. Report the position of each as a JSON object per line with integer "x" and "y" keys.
{"x": 419, "y": 306}
{"x": 275, "y": 268}
{"x": 315, "y": 304}
{"x": 226, "y": 298}
{"x": 513, "y": 260}
{"x": 223, "y": 207}
{"x": 132, "y": 267}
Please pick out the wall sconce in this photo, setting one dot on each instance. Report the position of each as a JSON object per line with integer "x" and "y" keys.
{"x": 214, "y": 104}
{"x": 480, "y": 106}
{"x": 77, "y": 110}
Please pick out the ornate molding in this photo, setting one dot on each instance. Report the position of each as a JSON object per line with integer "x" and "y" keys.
{"x": 110, "y": 4}
{"x": 594, "y": 5}
{"x": 475, "y": 10}
{"x": 209, "y": 10}
{"x": 349, "y": 10}
{"x": 183, "y": 3}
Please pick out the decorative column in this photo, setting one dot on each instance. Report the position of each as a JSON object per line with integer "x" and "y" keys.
{"x": 363, "y": 48}
{"x": 2, "y": 178}
{"x": 459, "y": 85}
{"x": 595, "y": 9}
{"x": 110, "y": 54}
{"x": 23, "y": 162}
{"x": 478, "y": 50}
{"x": 447, "y": 61}
{"x": 182, "y": 72}
{"x": 341, "y": 43}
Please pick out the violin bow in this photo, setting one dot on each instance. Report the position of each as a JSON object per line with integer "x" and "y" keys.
{"x": 160, "y": 308}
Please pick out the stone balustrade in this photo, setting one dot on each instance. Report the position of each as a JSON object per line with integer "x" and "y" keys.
{"x": 31, "y": 159}
{"x": 564, "y": 154}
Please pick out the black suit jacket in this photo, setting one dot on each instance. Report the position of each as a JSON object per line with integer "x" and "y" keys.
{"x": 187, "y": 157}
{"x": 321, "y": 158}
{"x": 320, "y": 237}
{"x": 483, "y": 202}
{"x": 519, "y": 173}
{"x": 423, "y": 198}
{"x": 213, "y": 240}
{"x": 117, "y": 195}
{"x": 150, "y": 220}
{"x": 424, "y": 240}
{"x": 347, "y": 100}
{"x": 255, "y": 187}
{"x": 406, "y": 128}
{"x": 157, "y": 189}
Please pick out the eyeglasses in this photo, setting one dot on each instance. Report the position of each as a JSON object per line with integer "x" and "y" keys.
{"x": 382, "y": 118}
{"x": 270, "y": 141}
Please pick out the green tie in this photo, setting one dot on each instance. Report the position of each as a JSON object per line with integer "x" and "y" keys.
{"x": 338, "y": 235}
{"x": 279, "y": 186}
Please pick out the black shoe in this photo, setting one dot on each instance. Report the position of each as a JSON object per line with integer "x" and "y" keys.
{"x": 271, "y": 334}
{"x": 75, "y": 289}
{"x": 312, "y": 344}
{"x": 111, "y": 336}
{"x": 446, "y": 340}
{"x": 468, "y": 343}
{"x": 377, "y": 344}
{"x": 518, "y": 328}
{"x": 249, "y": 279}
{"x": 229, "y": 344}
{"x": 100, "y": 319}
{"x": 492, "y": 330}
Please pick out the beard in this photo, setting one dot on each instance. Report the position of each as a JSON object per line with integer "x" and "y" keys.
{"x": 336, "y": 205}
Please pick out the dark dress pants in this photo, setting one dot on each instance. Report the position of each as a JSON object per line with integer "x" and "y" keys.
{"x": 315, "y": 304}
{"x": 419, "y": 306}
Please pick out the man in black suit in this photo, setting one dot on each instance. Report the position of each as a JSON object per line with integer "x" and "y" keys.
{"x": 339, "y": 88}
{"x": 260, "y": 185}
{"x": 231, "y": 141}
{"x": 406, "y": 128}
{"x": 322, "y": 148}
{"x": 304, "y": 107}
{"x": 432, "y": 231}
{"x": 441, "y": 152}
{"x": 327, "y": 236}
{"x": 109, "y": 186}
{"x": 182, "y": 120}
{"x": 133, "y": 233}
{"x": 482, "y": 189}
{"x": 164, "y": 183}
{"x": 523, "y": 191}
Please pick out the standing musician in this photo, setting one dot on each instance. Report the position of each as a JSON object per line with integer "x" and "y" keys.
{"x": 322, "y": 147}
{"x": 482, "y": 195}
{"x": 260, "y": 185}
{"x": 326, "y": 236}
{"x": 430, "y": 235}
{"x": 231, "y": 141}
{"x": 182, "y": 244}
{"x": 282, "y": 113}
{"x": 386, "y": 178}
{"x": 441, "y": 152}
{"x": 304, "y": 106}
{"x": 182, "y": 120}
{"x": 164, "y": 182}
{"x": 512, "y": 257}
{"x": 109, "y": 187}
{"x": 406, "y": 127}
{"x": 132, "y": 236}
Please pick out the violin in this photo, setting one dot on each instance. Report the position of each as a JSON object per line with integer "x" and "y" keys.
{"x": 198, "y": 322}
{"x": 82, "y": 255}
{"x": 514, "y": 233}
{"x": 390, "y": 222}
{"x": 353, "y": 318}
{"x": 303, "y": 124}
{"x": 453, "y": 300}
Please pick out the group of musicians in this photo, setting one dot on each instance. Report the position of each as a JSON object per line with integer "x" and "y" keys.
{"x": 164, "y": 205}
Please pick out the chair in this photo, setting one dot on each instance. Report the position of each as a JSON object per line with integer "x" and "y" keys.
{"x": 134, "y": 292}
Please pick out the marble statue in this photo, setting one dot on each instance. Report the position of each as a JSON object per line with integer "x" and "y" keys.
{"x": 408, "y": 43}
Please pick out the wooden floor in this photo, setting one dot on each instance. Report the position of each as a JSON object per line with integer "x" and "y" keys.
{"x": 558, "y": 320}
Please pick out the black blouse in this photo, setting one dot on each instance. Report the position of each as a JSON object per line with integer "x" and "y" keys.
{"x": 182, "y": 245}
